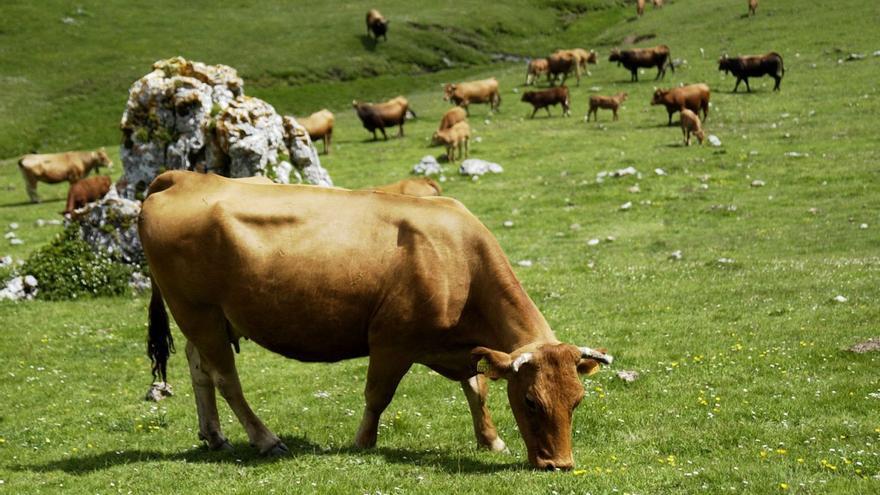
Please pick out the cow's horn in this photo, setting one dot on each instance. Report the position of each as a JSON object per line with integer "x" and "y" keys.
{"x": 521, "y": 360}
{"x": 586, "y": 352}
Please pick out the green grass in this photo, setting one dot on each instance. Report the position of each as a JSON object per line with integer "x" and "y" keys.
{"x": 745, "y": 382}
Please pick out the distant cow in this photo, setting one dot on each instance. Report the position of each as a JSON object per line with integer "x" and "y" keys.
{"x": 452, "y": 116}
{"x": 547, "y": 97}
{"x": 381, "y": 115}
{"x": 690, "y": 124}
{"x": 753, "y": 7}
{"x": 694, "y": 97}
{"x": 563, "y": 62}
{"x": 635, "y": 58}
{"x": 457, "y": 136}
{"x": 465, "y": 93}
{"x": 319, "y": 125}
{"x": 536, "y": 68}
{"x": 753, "y": 66}
{"x": 582, "y": 56}
{"x": 417, "y": 186}
{"x": 86, "y": 191}
{"x": 607, "y": 102}
{"x": 59, "y": 167}
{"x": 377, "y": 25}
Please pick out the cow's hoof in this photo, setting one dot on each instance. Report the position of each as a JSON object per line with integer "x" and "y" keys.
{"x": 277, "y": 450}
{"x": 498, "y": 445}
{"x": 225, "y": 446}
{"x": 216, "y": 442}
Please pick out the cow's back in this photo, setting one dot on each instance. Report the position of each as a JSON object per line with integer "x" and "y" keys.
{"x": 55, "y": 167}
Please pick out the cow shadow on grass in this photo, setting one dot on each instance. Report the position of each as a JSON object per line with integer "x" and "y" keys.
{"x": 368, "y": 42}
{"x": 27, "y": 202}
{"x": 244, "y": 454}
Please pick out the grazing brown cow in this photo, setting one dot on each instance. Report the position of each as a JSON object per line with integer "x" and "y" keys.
{"x": 458, "y": 136}
{"x": 753, "y": 7}
{"x": 381, "y": 115}
{"x": 86, "y": 191}
{"x": 465, "y": 93}
{"x": 408, "y": 280}
{"x": 419, "y": 187}
{"x": 694, "y": 97}
{"x": 563, "y": 62}
{"x": 452, "y": 116}
{"x": 59, "y": 167}
{"x": 607, "y": 102}
{"x": 635, "y": 58}
{"x": 319, "y": 125}
{"x": 377, "y": 25}
{"x": 536, "y": 68}
{"x": 690, "y": 123}
{"x": 640, "y": 7}
{"x": 547, "y": 97}
{"x": 753, "y": 66}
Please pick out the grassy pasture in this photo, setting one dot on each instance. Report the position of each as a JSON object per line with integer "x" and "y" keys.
{"x": 745, "y": 384}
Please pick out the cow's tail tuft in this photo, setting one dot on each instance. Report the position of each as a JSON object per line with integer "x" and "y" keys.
{"x": 160, "y": 344}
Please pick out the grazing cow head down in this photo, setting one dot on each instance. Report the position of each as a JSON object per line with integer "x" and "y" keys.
{"x": 724, "y": 64}
{"x": 593, "y": 58}
{"x": 659, "y": 96}
{"x": 543, "y": 388}
{"x": 448, "y": 91}
{"x": 102, "y": 160}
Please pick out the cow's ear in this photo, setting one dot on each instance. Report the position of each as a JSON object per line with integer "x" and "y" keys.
{"x": 493, "y": 364}
{"x": 592, "y": 359}
{"x": 588, "y": 367}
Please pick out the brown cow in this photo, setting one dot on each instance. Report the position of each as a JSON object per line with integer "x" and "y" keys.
{"x": 419, "y": 187}
{"x": 409, "y": 280}
{"x": 753, "y": 7}
{"x": 547, "y": 97}
{"x": 458, "y": 136}
{"x": 563, "y": 62}
{"x": 452, "y": 116}
{"x": 536, "y": 68}
{"x": 582, "y": 56}
{"x": 694, "y": 97}
{"x": 753, "y": 66}
{"x": 635, "y": 58}
{"x": 59, "y": 167}
{"x": 690, "y": 123}
{"x": 377, "y": 25}
{"x": 381, "y": 115}
{"x": 86, "y": 191}
{"x": 607, "y": 102}
{"x": 319, "y": 125}
{"x": 640, "y": 7}
{"x": 465, "y": 93}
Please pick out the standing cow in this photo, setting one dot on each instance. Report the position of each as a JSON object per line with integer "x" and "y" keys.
{"x": 391, "y": 113}
{"x": 694, "y": 97}
{"x": 377, "y": 25}
{"x": 465, "y": 93}
{"x": 319, "y": 125}
{"x": 85, "y": 191}
{"x": 753, "y": 66}
{"x": 548, "y": 97}
{"x": 753, "y": 7}
{"x": 636, "y": 58}
{"x": 344, "y": 274}
{"x": 59, "y": 167}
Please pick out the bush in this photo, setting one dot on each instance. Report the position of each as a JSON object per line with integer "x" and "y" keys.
{"x": 67, "y": 268}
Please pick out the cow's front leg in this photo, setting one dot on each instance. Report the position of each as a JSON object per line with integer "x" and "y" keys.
{"x": 475, "y": 390}
{"x": 383, "y": 375}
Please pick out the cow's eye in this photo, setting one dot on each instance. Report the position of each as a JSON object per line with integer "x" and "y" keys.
{"x": 531, "y": 404}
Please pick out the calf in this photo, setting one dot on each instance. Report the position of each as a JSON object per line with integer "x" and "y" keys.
{"x": 465, "y": 93}
{"x": 381, "y": 115}
{"x": 694, "y": 97}
{"x": 418, "y": 187}
{"x": 319, "y": 125}
{"x": 536, "y": 68}
{"x": 59, "y": 167}
{"x": 607, "y": 102}
{"x": 753, "y": 66}
{"x": 753, "y": 7}
{"x": 690, "y": 123}
{"x": 377, "y": 25}
{"x": 635, "y": 58}
{"x": 563, "y": 62}
{"x": 452, "y": 116}
{"x": 86, "y": 191}
{"x": 545, "y": 98}
{"x": 458, "y": 135}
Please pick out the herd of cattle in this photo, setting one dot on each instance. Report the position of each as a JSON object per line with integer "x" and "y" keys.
{"x": 397, "y": 272}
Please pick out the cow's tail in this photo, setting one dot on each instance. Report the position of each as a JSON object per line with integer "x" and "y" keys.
{"x": 781, "y": 68}
{"x": 160, "y": 344}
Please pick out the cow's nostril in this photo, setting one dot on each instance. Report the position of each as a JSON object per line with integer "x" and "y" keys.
{"x": 550, "y": 467}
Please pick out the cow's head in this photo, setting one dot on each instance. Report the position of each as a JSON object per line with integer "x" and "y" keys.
{"x": 614, "y": 56}
{"x": 724, "y": 64}
{"x": 659, "y": 96}
{"x": 593, "y": 58}
{"x": 528, "y": 96}
{"x": 102, "y": 159}
{"x": 448, "y": 90}
{"x": 543, "y": 388}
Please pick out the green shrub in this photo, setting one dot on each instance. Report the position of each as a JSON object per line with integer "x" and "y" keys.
{"x": 67, "y": 268}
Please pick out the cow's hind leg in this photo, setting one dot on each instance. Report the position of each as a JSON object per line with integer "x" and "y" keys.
{"x": 30, "y": 183}
{"x": 206, "y": 402}
{"x": 475, "y": 390}
{"x": 383, "y": 375}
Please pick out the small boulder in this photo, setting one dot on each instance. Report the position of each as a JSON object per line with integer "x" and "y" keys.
{"x": 158, "y": 391}
{"x": 477, "y": 167}
{"x": 428, "y": 165}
